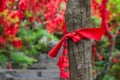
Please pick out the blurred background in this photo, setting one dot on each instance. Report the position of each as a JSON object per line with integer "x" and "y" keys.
{"x": 29, "y": 29}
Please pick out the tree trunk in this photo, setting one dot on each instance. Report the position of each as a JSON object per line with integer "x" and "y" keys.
{"x": 77, "y": 16}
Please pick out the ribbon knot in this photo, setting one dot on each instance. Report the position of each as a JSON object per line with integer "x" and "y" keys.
{"x": 76, "y": 36}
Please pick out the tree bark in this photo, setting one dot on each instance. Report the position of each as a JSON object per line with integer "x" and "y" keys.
{"x": 77, "y": 16}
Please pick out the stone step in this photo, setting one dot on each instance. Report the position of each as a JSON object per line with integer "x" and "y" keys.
{"x": 42, "y": 77}
{"x": 44, "y": 65}
{"x": 30, "y": 71}
{"x": 47, "y": 74}
{"x": 37, "y": 79}
{"x": 44, "y": 70}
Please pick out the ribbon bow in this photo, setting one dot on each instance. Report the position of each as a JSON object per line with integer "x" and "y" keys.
{"x": 76, "y": 36}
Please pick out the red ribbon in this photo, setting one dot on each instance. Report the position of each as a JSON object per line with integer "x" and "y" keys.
{"x": 76, "y": 36}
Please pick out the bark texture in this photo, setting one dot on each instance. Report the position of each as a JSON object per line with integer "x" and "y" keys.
{"x": 77, "y": 16}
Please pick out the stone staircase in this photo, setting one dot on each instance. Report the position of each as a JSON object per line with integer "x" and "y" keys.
{"x": 49, "y": 72}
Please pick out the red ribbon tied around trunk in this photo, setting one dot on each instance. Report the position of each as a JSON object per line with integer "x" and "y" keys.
{"x": 76, "y": 36}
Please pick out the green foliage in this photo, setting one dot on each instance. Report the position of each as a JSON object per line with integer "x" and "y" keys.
{"x": 1, "y": 29}
{"x": 117, "y": 42}
{"x": 108, "y": 77}
{"x": 95, "y": 21}
{"x": 114, "y": 6}
{"x": 35, "y": 40}
{"x": 115, "y": 71}
{"x": 3, "y": 60}
{"x": 20, "y": 60}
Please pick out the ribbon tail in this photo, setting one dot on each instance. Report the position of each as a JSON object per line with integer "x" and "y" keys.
{"x": 53, "y": 53}
{"x": 94, "y": 33}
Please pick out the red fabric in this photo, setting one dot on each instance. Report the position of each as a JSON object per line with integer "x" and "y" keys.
{"x": 63, "y": 62}
{"x": 76, "y": 36}
{"x": 64, "y": 74}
